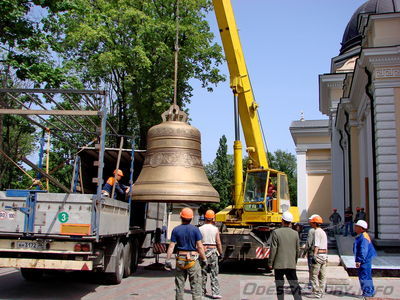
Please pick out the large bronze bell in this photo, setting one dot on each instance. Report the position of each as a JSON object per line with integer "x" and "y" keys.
{"x": 173, "y": 169}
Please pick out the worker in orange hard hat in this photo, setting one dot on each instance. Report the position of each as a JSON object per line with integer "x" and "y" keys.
{"x": 187, "y": 239}
{"x": 320, "y": 257}
{"x": 358, "y": 215}
{"x": 120, "y": 189}
{"x": 213, "y": 250}
{"x": 308, "y": 250}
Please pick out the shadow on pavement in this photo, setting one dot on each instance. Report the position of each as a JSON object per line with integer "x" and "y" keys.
{"x": 54, "y": 285}
{"x": 142, "y": 272}
{"x": 244, "y": 268}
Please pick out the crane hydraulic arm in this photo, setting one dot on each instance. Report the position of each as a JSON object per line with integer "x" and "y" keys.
{"x": 240, "y": 83}
{"x": 245, "y": 104}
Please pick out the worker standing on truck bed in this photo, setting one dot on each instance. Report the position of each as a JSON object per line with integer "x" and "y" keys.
{"x": 187, "y": 239}
{"x": 285, "y": 246}
{"x": 213, "y": 249}
{"x": 120, "y": 189}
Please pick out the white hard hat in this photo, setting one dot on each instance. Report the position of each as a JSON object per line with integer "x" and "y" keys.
{"x": 287, "y": 216}
{"x": 362, "y": 224}
{"x": 313, "y": 216}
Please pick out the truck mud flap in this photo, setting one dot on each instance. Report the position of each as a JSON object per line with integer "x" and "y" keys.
{"x": 48, "y": 264}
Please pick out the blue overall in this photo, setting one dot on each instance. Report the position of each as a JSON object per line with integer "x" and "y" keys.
{"x": 119, "y": 187}
{"x": 364, "y": 251}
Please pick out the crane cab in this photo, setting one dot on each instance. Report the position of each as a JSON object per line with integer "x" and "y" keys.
{"x": 265, "y": 198}
{"x": 266, "y": 190}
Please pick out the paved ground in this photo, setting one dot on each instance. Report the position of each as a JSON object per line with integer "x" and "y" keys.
{"x": 237, "y": 282}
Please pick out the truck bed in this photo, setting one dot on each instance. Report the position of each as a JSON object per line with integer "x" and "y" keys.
{"x": 60, "y": 214}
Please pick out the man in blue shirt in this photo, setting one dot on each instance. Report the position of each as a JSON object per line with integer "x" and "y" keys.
{"x": 187, "y": 239}
{"x": 364, "y": 251}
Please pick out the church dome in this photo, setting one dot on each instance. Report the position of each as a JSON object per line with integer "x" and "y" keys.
{"x": 352, "y": 36}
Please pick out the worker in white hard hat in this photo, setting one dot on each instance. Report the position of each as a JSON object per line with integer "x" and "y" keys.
{"x": 364, "y": 251}
{"x": 283, "y": 256}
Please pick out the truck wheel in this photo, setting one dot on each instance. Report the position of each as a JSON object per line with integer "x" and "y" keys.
{"x": 116, "y": 276}
{"x": 127, "y": 259}
{"x": 32, "y": 274}
{"x": 135, "y": 255}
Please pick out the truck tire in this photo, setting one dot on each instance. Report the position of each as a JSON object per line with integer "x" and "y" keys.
{"x": 116, "y": 276}
{"x": 127, "y": 259}
{"x": 135, "y": 255}
{"x": 32, "y": 274}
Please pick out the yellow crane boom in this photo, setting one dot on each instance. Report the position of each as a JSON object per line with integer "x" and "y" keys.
{"x": 240, "y": 83}
{"x": 265, "y": 194}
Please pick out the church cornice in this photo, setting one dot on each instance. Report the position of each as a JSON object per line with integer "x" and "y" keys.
{"x": 381, "y": 57}
{"x": 327, "y": 83}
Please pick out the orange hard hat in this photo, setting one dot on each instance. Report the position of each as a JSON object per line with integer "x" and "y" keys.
{"x": 119, "y": 172}
{"x": 316, "y": 219}
{"x": 186, "y": 213}
{"x": 210, "y": 214}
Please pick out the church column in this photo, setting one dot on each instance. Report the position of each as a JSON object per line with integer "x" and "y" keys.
{"x": 302, "y": 183}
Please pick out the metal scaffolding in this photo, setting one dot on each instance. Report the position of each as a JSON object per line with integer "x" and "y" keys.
{"x": 50, "y": 110}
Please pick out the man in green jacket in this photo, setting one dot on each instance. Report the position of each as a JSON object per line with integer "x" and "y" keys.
{"x": 285, "y": 246}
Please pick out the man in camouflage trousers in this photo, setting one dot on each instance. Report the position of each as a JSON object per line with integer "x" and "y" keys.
{"x": 187, "y": 239}
{"x": 213, "y": 249}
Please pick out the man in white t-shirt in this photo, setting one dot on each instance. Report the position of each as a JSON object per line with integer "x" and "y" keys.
{"x": 320, "y": 258}
{"x": 213, "y": 249}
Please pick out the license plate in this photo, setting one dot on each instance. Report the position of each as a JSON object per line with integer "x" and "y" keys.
{"x": 30, "y": 245}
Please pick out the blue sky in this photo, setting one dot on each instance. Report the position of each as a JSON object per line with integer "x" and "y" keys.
{"x": 286, "y": 44}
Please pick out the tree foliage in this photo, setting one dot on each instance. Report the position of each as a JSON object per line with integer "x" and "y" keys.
{"x": 128, "y": 47}
{"x": 16, "y": 141}
{"x": 286, "y": 162}
{"x": 125, "y": 47}
{"x": 220, "y": 174}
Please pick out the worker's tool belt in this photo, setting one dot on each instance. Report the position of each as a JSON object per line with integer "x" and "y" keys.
{"x": 322, "y": 251}
{"x": 321, "y": 259}
{"x": 186, "y": 259}
{"x": 211, "y": 251}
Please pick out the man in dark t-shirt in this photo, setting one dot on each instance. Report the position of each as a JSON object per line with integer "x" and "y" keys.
{"x": 335, "y": 218}
{"x": 348, "y": 221}
{"x": 362, "y": 215}
{"x": 187, "y": 239}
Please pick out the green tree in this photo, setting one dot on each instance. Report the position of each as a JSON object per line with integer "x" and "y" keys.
{"x": 17, "y": 141}
{"x": 23, "y": 44}
{"x": 127, "y": 47}
{"x": 27, "y": 61}
{"x": 286, "y": 162}
{"x": 220, "y": 174}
